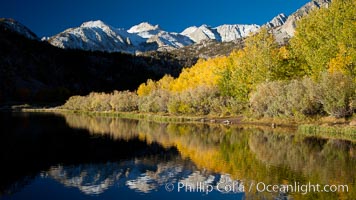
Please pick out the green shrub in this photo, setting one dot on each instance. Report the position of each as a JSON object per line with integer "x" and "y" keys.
{"x": 117, "y": 101}
{"x": 202, "y": 101}
{"x": 334, "y": 94}
{"x": 291, "y": 98}
{"x": 156, "y": 101}
{"x": 302, "y": 97}
{"x": 269, "y": 99}
{"x": 73, "y": 103}
{"x": 192, "y": 101}
{"x": 337, "y": 94}
{"x": 124, "y": 101}
{"x": 353, "y": 104}
{"x": 99, "y": 102}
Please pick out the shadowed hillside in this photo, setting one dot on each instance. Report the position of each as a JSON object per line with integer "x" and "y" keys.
{"x": 34, "y": 71}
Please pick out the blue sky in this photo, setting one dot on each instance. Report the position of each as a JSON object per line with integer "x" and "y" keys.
{"x": 46, "y": 17}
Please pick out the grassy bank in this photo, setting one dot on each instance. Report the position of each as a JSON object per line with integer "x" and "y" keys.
{"x": 335, "y": 132}
{"x": 127, "y": 115}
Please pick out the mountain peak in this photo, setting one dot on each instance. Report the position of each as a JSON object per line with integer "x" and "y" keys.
{"x": 189, "y": 30}
{"x": 201, "y": 33}
{"x": 142, "y": 27}
{"x": 94, "y": 24}
{"x": 204, "y": 26}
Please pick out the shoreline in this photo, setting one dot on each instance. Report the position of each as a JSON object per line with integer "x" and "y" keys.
{"x": 318, "y": 127}
{"x": 239, "y": 119}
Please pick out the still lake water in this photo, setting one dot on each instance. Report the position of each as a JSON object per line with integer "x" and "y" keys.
{"x": 48, "y": 156}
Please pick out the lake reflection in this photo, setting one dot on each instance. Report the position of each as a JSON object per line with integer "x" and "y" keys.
{"x": 86, "y": 157}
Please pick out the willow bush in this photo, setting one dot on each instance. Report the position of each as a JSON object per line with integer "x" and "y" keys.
{"x": 333, "y": 94}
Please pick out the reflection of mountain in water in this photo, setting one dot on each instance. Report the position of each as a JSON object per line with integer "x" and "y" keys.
{"x": 163, "y": 172}
{"x": 89, "y": 178}
{"x": 141, "y": 175}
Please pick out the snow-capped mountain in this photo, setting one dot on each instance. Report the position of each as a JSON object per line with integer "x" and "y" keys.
{"x": 17, "y": 27}
{"x": 98, "y": 36}
{"x": 223, "y": 33}
{"x": 162, "y": 39}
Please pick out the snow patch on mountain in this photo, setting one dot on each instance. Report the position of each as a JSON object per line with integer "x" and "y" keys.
{"x": 233, "y": 32}
{"x": 145, "y": 30}
{"x": 167, "y": 40}
{"x": 223, "y": 33}
{"x": 278, "y": 20}
{"x": 204, "y": 32}
{"x": 143, "y": 27}
{"x": 189, "y": 30}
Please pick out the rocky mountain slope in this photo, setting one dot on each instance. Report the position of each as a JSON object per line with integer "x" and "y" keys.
{"x": 286, "y": 30}
{"x": 16, "y": 27}
{"x": 223, "y": 33}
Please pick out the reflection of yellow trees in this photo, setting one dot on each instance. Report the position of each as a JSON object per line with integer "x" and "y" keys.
{"x": 196, "y": 142}
{"x": 199, "y": 143}
{"x": 306, "y": 155}
{"x": 117, "y": 128}
{"x": 246, "y": 153}
{"x": 155, "y": 132}
{"x": 320, "y": 160}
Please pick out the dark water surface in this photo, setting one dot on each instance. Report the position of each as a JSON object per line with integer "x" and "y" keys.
{"x": 48, "y": 156}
